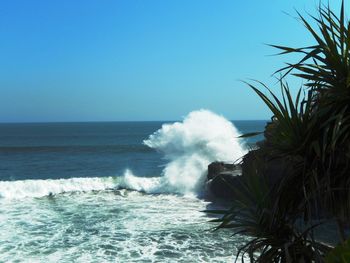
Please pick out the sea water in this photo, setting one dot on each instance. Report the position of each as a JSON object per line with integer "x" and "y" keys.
{"x": 115, "y": 191}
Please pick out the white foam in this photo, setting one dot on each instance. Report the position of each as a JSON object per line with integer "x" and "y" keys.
{"x": 38, "y": 188}
{"x": 111, "y": 228}
{"x": 141, "y": 184}
{"x": 189, "y": 146}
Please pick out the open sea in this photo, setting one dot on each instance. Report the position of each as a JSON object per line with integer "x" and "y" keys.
{"x": 115, "y": 191}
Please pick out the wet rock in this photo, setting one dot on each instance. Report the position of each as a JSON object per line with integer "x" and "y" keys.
{"x": 223, "y": 185}
{"x": 273, "y": 169}
{"x": 216, "y": 168}
{"x": 223, "y": 178}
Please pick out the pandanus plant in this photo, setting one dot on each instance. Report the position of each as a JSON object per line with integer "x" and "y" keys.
{"x": 325, "y": 67}
{"x": 314, "y": 132}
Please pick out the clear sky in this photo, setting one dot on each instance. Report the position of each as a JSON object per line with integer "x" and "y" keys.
{"x": 116, "y": 60}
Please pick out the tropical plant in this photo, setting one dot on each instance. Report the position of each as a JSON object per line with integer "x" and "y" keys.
{"x": 326, "y": 65}
{"x": 292, "y": 126}
{"x": 326, "y": 69}
{"x": 340, "y": 254}
{"x": 325, "y": 151}
{"x": 312, "y": 135}
{"x": 274, "y": 236}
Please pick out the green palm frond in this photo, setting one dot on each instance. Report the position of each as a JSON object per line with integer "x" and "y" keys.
{"x": 326, "y": 65}
{"x": 312, "y": 134}
{"x": 292, "y": 120}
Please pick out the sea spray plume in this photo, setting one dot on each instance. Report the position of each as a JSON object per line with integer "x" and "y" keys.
{"x": 189, "y": 146}
{"x": 141, "y": 184}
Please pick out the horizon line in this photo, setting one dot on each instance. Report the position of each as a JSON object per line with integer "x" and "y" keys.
{"x": 42, "y": 122}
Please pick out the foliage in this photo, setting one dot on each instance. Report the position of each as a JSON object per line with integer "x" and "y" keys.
{"x": 326, "y": 69}
{"x": 292, "y": 124}
{"x": 312, "y": 134}
{"x": 326, "y": 65}
{"x": 340, "y": 254}
{"x": 274, "y": 237}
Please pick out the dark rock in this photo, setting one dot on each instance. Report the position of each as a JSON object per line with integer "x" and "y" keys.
{"x": 223, "y": 178}
{"x": 216, "y": 168}
{"x": 223, "y": 184}
{"x": 262, "y": 164}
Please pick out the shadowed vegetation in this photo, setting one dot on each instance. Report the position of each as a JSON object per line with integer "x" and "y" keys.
{"x": 310, "y": 135}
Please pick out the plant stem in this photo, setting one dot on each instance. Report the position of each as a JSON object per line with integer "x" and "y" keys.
{"x": 341, "y": 232}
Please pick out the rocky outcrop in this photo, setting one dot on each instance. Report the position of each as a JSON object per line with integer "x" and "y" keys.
{"x": 272, "y": 169}
{"x": 216, "y": 168}
{"x": 223, "y": 178}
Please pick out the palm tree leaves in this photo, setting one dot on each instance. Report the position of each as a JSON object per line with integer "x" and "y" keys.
{"x": 312, "y": 132}
{"x": 325, "y": 65}
{"x": 274, "y": 238}
{"x": 292, "y": 119}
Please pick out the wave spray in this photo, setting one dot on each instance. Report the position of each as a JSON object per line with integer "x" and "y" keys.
{"x": 189, "y": 146}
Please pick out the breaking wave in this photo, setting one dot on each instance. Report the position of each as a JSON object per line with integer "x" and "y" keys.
{"x": 38, "y": 188}
{"x": 188, "y": 147}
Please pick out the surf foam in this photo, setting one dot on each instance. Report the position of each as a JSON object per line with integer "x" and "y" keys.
{"x": 39, "y": 188}
{"x": 189, "y": 146}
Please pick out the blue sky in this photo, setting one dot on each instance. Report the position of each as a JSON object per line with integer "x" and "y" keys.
{"x": 141, "y": 60}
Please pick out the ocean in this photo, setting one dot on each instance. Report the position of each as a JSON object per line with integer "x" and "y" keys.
{"x": 115, "y": 191}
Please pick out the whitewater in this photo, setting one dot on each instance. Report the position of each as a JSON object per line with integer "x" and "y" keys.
{"x": 126, "y": 217}
{"x": 188, "y": 147}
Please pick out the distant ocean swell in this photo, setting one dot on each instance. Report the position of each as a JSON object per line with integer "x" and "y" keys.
{"x": 77, "y": 149}
{"x": 188, "y": 146}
